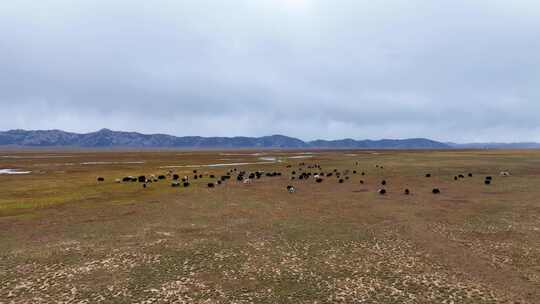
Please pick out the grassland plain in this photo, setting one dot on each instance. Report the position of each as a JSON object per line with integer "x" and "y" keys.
{"x": 64, "y": 237}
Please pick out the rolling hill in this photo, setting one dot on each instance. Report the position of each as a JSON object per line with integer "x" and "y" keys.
{"x": 106, "y": 138}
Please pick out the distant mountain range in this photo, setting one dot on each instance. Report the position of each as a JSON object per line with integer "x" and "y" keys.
{"x": 106, "y": 138}
{"x": 518, "y": 145}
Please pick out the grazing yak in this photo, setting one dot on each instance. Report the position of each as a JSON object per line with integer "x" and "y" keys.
{"x": 428, "y": 175}
{"x": 100, "y": 179}
{"x": 175, "y": 184}
{"x": 407, "y": 192}
{"x": 341, "y": 180}
{"x": 436, "y": 191}
{"x": 142, "y": 179}
{"x": 383, "y": 183}
{"x": 319, "y": 180}
{"x": 291, "y": 189}
{"x": 381, "y": 191}
{"x": 210, "y": 185}
{"x": 175, "y": 177}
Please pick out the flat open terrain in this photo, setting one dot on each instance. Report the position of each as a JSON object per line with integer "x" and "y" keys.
{"x": 64, "y": 237}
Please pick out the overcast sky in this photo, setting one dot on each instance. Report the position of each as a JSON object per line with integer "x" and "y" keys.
{"x": 456, "y": 70}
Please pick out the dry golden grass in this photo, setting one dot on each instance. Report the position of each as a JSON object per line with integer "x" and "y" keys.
{"x": 64, "y": 237}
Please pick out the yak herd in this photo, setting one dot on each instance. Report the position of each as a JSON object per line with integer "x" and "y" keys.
{"x": 303, "y": 172}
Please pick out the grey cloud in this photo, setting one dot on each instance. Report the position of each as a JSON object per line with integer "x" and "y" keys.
{"x": 448, "y": 70}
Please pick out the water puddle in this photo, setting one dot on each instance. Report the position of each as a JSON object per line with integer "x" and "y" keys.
{"x": 13, "y": 171}
{"x": 300, "y": 156}
{"x": 269, "y": 158}
{"x": 113, "y": 163}
{"x": 242, "y": 154}
{"x": 218, "y": 165}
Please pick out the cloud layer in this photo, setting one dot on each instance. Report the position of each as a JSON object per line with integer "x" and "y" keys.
{"x": 449, "y": 70}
